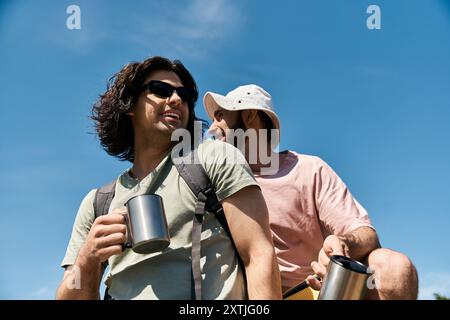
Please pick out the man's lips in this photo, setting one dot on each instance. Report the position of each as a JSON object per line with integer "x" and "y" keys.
{"x": 172, "y": 115}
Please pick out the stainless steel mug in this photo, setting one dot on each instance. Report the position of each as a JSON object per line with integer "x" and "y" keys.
{"x": 147, "y": 230}
{"x": 346, "y": 279}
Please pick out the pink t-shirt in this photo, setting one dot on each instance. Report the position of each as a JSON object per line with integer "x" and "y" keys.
{"x": 307, "y": 201}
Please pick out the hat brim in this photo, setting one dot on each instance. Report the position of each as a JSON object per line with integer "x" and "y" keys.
{"x": 213, "y": 101}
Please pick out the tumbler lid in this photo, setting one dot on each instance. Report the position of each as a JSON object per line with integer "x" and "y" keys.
{"x": 349, "y": 264}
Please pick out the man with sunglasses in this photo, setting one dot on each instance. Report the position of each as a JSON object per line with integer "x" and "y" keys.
{"x": 312, "y": 214}
{"x": 135, "y": 118}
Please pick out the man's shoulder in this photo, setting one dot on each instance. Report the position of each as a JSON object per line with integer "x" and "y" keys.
{"x": 89, "y": 197}
{"x": 314, "y": 166}
{"x": 306, "y": 161}
{"x": 219, "y": 152}
{"x": 215, "y": 145}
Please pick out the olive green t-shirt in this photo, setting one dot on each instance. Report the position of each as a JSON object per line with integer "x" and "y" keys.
{"x": 167, "y": 274}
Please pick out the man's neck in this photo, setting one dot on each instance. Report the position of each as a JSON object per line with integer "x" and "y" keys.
{"x": 256, "y": 168}
{"x": 257, "y": 165}
{"x": 264, "y": 158}
{"x": 147, "y": 157}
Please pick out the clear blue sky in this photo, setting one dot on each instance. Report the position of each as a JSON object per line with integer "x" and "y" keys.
{"x": 374, "y": 104}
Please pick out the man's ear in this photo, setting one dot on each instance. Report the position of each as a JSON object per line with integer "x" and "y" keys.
{"x": 249, "y": 117}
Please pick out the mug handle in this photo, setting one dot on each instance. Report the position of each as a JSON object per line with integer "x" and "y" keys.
{"x": 127, "y": 244}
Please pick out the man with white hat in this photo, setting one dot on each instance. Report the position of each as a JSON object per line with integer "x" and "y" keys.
{"x": 312, "y": 214}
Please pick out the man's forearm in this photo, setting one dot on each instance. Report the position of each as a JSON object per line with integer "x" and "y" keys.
{"x": 263, "y": 278}
{"x": 361, "y": 242}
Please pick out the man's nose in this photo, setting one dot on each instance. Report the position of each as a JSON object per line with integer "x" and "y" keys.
{"x": 215, "y": 132}
{"x": 213, "y": 127}
{"x": 174, "y": 98}
{"x": 215, "y": 122}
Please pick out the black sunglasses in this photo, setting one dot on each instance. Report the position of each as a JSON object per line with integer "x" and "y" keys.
{"x": 165, "y": 90}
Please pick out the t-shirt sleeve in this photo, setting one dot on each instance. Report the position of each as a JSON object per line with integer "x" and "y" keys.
{"x": 227, "y": 168}
{"x": 338, "y": 210}
{"x": 82, "y": 225}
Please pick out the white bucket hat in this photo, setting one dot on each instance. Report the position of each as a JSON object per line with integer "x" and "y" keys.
{"x": 244, "y": 97}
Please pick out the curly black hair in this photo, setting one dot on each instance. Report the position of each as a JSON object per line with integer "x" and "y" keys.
{"x": 112, "y": 124}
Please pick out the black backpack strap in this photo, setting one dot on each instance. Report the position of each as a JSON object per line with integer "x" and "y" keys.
{"x": 198, "y": 181}
{"x": 102, "y": 202}
{"x": 200, "y": 185}
{"x": 103, "y": 198}
{"x": 195, "y": 176}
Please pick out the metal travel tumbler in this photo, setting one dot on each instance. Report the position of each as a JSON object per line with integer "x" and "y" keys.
{"x": 146, "y": 224}
{"x": 345, "y": 280}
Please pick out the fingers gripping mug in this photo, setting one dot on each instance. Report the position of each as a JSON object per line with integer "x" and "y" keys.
{"x": 346, "y": 279}
{"x": 147, "y": 229}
